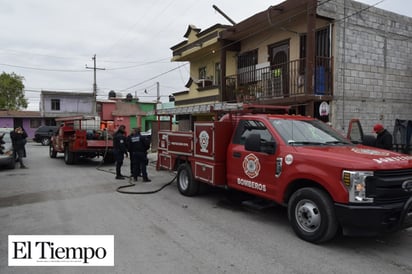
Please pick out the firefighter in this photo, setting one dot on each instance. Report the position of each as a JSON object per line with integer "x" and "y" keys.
{"x": 132, "y": 147}
{"x": 120, "y": 150}
{"x": 138, "y": 146}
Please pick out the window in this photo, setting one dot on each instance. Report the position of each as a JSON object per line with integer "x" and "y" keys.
{"x": 302, "y": 54}
{"x": 246, "y": 65}
{"x": 217, "y": 74}
{"x": 202, "y": 73}
{"x": 307, "y": 132}
{"x": 35, "y": 123}
{"x": 49, "y": 122}
{"x": 322, "y": 43}
{"x": 247, "y": 59}
{"x": 322, "y": 46}
{"x": 55, "y": 104}
{"x": 247, "y": 127}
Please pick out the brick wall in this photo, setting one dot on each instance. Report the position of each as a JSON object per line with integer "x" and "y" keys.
{"x": 373, "y": 64}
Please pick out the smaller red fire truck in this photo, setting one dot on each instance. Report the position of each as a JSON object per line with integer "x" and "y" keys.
{"x": 327, "y": 183}
{"x": 81, "y": 136}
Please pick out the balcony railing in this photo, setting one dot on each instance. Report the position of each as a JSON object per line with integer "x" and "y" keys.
{"x": 279, "y": 81}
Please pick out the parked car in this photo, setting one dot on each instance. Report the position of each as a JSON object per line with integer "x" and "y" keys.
{"x": 6, "y": 156}
{"x": 43, "y": 134}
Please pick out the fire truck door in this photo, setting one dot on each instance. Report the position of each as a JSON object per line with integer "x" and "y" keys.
{"x": 253, "y": 170}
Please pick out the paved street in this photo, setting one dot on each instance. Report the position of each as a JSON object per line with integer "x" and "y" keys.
{"x": 166, "y": 232}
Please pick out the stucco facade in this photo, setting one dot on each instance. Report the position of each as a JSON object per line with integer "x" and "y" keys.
{"x": 59, "y": 104}
{"x": 202, "y": 50}
{"x": 29, "y": 120}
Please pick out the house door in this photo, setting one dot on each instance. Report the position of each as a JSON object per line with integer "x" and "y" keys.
{"x": 17, "y": 122}
{"x": 279, "y": 61}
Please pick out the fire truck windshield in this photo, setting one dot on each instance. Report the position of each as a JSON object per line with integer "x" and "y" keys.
{"x": 308, "y": 132}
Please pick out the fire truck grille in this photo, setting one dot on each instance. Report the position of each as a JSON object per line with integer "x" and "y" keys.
{"x": 388, "y": 186}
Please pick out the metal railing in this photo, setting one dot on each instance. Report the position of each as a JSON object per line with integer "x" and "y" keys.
{"x": 279, "y": 81}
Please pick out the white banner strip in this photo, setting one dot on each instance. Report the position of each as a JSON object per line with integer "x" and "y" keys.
{"x": 61, "y": 250}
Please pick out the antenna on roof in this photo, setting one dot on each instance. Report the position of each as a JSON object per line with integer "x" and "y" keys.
{"x": 224, "y": 15}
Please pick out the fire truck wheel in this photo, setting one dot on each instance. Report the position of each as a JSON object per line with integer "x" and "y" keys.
{"x": 68, "y": 156}
{"x": 52, "y": 152}
{"x": 186, "y": 184}
{"x": 312, "y": 216}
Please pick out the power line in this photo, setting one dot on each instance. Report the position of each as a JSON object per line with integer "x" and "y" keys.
{"x": 154, "y": 77}
{"x": 42, "y": 69}
{"x": 139, "y": 65}
{"x": 141, "y": 18}
{"x": 161, "y": 74}
{"x": 359, "y": 11}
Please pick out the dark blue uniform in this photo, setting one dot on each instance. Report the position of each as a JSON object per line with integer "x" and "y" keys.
{"x": 119, "y": 150}
{"x": 138, "y": 146}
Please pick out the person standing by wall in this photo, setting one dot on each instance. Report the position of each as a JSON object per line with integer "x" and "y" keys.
{"x": 18, "y": 137}
{"x": 119, "y": 150}
{"x": 383, "y": 137}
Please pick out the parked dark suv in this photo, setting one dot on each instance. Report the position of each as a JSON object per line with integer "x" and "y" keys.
{"x": 42, "y": 134}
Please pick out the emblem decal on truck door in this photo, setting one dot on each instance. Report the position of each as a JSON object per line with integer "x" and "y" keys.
{"x": 251, "y": 166}
{"x": 204, "y": 141}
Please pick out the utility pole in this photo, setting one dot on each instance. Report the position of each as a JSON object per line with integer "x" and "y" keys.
{"x": 158, "y": 92}
{"x": 94, "y": 83}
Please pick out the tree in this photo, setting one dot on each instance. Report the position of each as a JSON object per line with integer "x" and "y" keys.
{"x": 12, "y": 92}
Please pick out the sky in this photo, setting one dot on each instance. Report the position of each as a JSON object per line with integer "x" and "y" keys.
{"x": 51, "y": 43}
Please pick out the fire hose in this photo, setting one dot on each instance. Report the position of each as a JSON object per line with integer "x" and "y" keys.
{"x": 120, "y": 189}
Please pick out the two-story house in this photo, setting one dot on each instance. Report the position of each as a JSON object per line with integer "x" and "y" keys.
{"x": 60, "y": 104}
{"x": 203, "y": 50}
{"x": 334, "y": 60}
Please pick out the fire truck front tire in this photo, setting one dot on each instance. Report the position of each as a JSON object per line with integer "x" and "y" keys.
{"x": 312, "y": 216}
{"x": 186, "y": 184}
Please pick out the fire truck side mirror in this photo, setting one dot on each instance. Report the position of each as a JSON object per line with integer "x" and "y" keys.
{"x": 254, "y": 143}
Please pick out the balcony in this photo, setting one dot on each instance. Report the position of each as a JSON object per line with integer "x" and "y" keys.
{"x": 281, "y": 82}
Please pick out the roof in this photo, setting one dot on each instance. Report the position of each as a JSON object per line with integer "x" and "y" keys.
{"x": 128, "y": 109}
{"x": 75, "y": 118}
{"x": 20, "y": 114}
{"x": 66, "y": 93}
{"x": 274, "y": 16}
{"x": 106, "y": 101}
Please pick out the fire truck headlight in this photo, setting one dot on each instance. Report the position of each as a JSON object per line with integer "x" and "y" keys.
{"x": 355, "y": 182}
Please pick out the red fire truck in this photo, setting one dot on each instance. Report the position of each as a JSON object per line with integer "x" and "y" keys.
{"x": 81, "y": 137}
{"x": 327, "y": 183}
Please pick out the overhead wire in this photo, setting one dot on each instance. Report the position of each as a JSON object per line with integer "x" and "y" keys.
{"x": 184, "y": 65}
{"x": 136, "y": 23}
{"x": 236, "y": 41}
{"x": 43, "y": 69}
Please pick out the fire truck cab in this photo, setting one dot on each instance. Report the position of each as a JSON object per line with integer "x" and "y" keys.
{"x": 325, "y": 181}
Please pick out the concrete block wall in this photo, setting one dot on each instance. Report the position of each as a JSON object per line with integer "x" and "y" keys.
{"x": 372, "y": 50}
